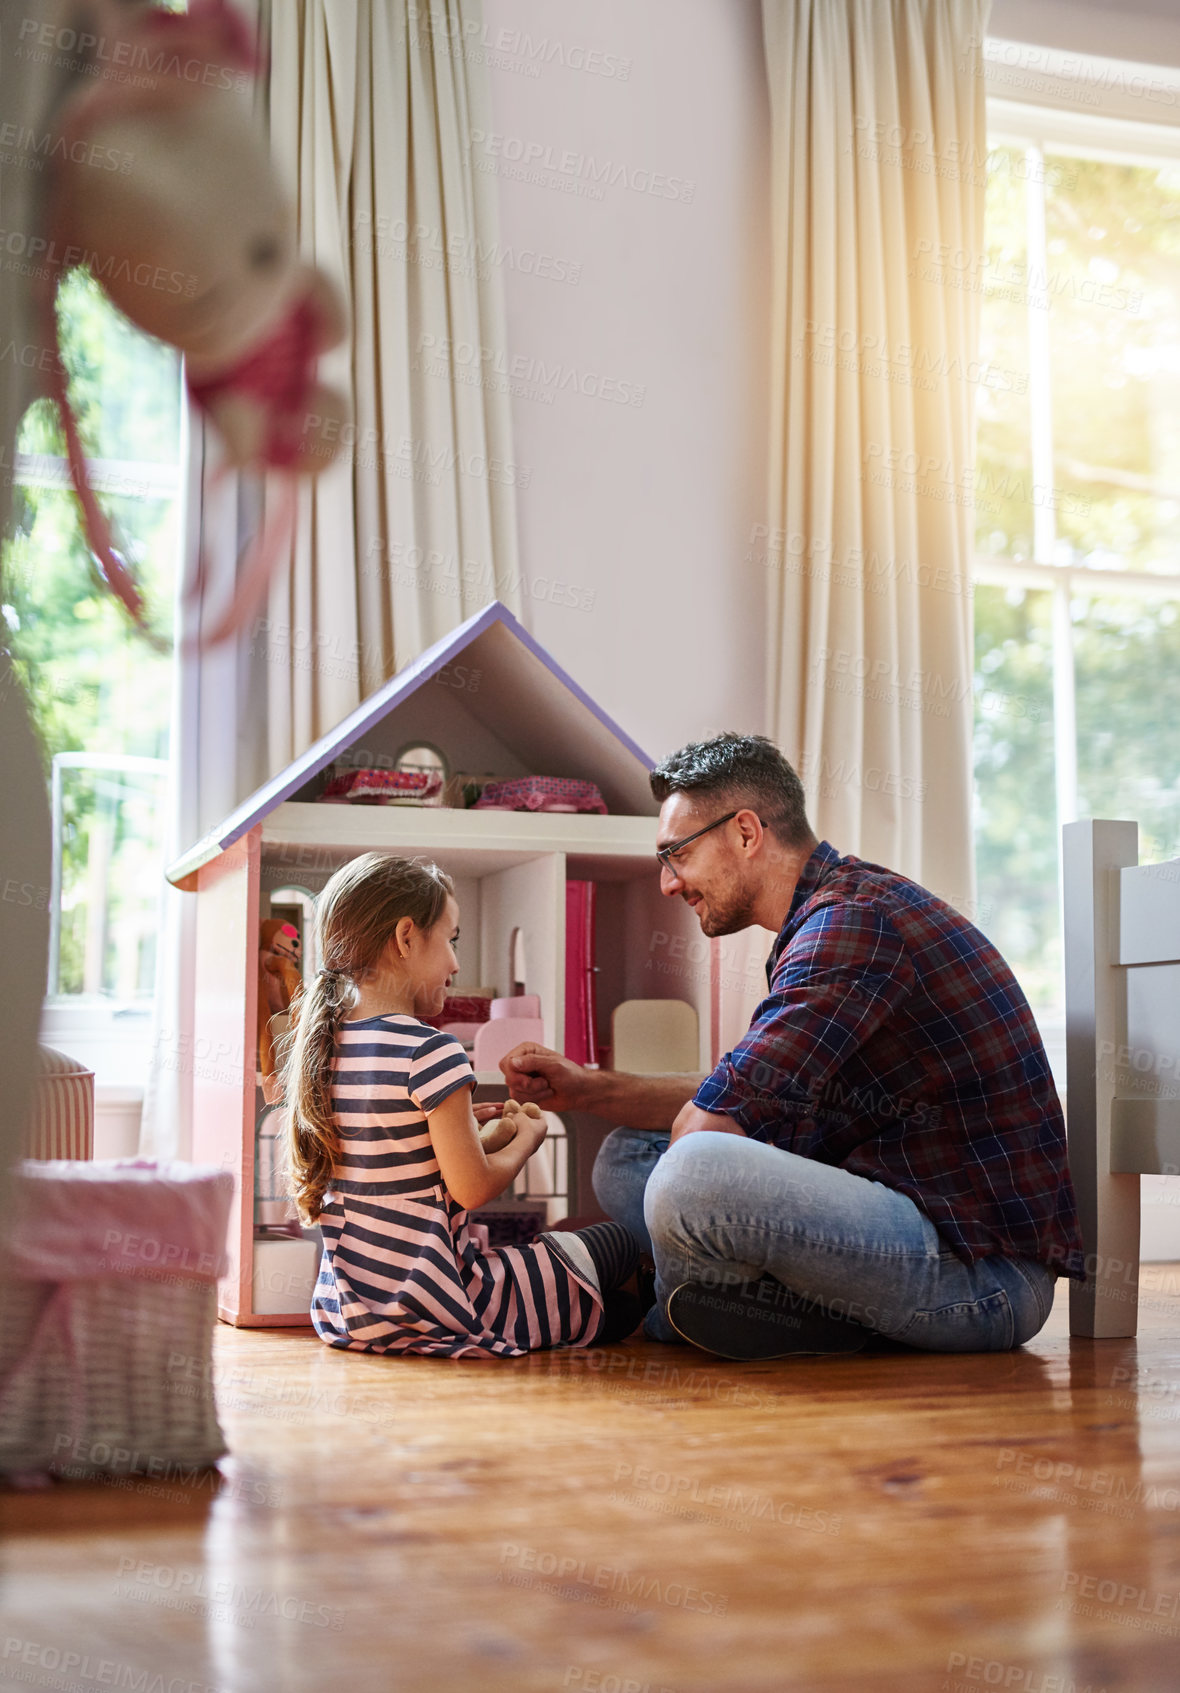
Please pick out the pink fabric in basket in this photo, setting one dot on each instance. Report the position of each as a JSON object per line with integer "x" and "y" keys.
{"x": 540, "y": 793}
{"x": 122, "y": 1216}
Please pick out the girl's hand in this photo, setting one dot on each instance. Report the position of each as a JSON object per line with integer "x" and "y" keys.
{"x": 500, "y": 1130}
{"x": 528, "y": 1119}
{"x": 496, "y": 1134}
{"x": 472, "y": 1174}
{"x": 486, "y": 1113}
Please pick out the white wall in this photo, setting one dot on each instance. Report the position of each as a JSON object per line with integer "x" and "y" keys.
{"x": 1143, "y": 31}
{"x": 642, "y": 513}
{"x": 641, "y": 510}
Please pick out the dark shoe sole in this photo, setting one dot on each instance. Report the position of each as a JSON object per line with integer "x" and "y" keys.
{"x": 749, "y": 1322}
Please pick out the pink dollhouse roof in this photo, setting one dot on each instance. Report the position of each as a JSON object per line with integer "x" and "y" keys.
{"x": 507, "y": 709}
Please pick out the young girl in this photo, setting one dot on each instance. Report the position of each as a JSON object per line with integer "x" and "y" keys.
{"x": 385, "y": 1152}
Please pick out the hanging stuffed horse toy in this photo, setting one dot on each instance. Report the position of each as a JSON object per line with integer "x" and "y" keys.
{"x": 194, "y": 242}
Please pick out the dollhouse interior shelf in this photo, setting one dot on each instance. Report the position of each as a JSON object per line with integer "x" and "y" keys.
{"x": 482, "y": 841}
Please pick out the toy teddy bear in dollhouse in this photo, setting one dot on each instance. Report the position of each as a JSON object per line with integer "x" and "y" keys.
{"x": 279, "y": 980}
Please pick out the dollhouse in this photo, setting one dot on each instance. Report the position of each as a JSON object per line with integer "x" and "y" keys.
{"x": 487, "y": 702}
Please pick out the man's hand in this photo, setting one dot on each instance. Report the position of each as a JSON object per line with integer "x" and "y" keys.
{"x": 691, "y": 1120}
{"x": 537, "y": 1075}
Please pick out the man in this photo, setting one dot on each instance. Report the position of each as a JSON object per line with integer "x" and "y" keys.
{"x": 882, "y": 1153}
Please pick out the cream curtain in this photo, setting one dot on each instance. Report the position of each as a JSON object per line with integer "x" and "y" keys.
{"x": 369, "y": 105}
{"x": 877, "y": 205}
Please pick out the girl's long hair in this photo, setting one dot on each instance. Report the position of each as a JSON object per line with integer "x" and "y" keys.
{"x": 356, "y": 915}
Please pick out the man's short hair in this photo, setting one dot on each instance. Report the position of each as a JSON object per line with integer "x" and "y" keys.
{"x": 739, "y": 771}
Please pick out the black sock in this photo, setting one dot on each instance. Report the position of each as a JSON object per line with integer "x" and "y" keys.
{"x": 621, "y": 1316}
{"x": 614, "y": 1250}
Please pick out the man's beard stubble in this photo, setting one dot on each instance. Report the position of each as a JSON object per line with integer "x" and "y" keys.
{"x": 729, "y": 913}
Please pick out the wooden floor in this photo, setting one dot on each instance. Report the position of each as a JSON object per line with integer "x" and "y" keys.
{"x": 633, "y": 1520}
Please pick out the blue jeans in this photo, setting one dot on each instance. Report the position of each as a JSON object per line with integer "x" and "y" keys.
{"x": 721, "y": 1209}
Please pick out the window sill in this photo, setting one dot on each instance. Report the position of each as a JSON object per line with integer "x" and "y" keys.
{"x": 114, "y": 1039}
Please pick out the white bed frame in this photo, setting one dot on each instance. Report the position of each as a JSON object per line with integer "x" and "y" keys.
{"x": 1122, "y": 1013}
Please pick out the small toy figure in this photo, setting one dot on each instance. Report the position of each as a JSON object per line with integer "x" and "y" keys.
{"x": 279, "y": 980}
{"x": 500, "y": 1130}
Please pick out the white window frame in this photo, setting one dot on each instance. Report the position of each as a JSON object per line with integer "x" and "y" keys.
{"x": 1037, "y": 130}
{"x": 113, "y": 1036}
{"x": 115, "y": 764}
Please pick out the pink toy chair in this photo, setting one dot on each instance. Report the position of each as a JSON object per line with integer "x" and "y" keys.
{"x": 522, "y": 1005}
{"x": 496, "y": 1038}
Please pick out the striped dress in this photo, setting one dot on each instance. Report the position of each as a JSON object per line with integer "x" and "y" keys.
{"x": 400, "y": 1271}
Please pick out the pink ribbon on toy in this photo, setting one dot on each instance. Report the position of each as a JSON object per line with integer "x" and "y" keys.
{"x": 208, "y": 27}
{"x": 280, "y": 372}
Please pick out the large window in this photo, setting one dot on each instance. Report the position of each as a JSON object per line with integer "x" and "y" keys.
{"x": 1077, "y": 600}
{"x": 99, "y": 694}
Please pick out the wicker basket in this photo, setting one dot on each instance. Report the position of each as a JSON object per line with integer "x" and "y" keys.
{"x": 106, "y": 1353}
{"x": 61, "y": 1122}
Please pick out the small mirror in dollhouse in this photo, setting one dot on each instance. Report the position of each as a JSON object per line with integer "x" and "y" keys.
{"x": 428, "y": 765}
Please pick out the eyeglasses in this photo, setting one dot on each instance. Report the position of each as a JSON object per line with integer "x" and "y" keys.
{"x": 666, "y": 854}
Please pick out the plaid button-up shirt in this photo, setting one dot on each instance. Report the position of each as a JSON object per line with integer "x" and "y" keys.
{"x": 895, "y": 1043}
